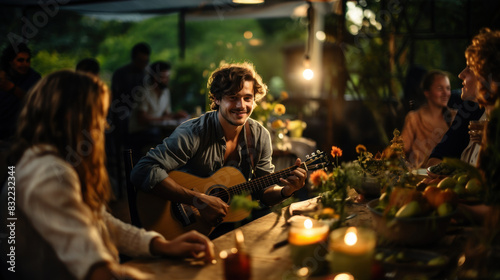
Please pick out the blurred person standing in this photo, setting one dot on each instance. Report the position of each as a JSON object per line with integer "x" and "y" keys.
{"x": 63, "y": 230}
{"x": 154, "y": 109}
{"x": 127, "y": 87}
{"x": 425, "y": 127}
{"x": 16, "y": 78}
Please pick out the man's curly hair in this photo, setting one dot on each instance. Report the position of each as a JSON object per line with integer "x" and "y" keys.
{"x": 483, "y": 58}
{"x": 228, "y": 79}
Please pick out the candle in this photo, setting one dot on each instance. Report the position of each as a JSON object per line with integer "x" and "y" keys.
{"x": 236, "y": 264}
{"x": 351, "y": 251}
{"x": 308, "y": 247}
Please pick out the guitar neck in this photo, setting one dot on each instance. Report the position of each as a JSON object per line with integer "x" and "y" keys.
{"x": 260, "y": 183}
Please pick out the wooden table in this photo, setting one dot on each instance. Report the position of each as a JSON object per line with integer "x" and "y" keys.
{"x": 260, "y": 236}
{"x": 268, "y": 263}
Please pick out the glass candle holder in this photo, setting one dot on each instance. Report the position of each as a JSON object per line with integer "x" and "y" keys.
{"x": 236, "y": 264}
{"x": 308, "y": 245}
{"x": 351, "y": 251}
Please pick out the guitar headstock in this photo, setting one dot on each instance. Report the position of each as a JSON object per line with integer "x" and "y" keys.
{"x": 317, "y": 160}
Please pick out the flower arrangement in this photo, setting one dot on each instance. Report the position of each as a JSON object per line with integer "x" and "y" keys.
{"x": 332, "y": 186}
{"x": 392, "y": 157}
{"x": 269, "y": 112}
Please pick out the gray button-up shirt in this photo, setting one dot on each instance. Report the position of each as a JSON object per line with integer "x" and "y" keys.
{"x": 197, "y": 147}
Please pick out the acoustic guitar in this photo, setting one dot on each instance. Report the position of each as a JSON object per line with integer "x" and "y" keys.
{"x": 173, "y": 219}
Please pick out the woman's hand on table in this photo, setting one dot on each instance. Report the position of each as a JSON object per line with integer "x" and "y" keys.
{"x": 190, "y": 244}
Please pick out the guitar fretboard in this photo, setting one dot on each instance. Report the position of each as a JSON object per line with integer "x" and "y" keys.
{"x": 261, "y": 182}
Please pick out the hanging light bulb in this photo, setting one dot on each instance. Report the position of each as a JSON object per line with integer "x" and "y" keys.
{"x": 308, "y": 73}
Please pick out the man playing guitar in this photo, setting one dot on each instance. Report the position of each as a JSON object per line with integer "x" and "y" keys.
{"x": 217, "y": 139}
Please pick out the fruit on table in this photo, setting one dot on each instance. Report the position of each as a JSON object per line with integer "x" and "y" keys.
{"x": 439, "y": 260}
{"x": 459, "y": 189}
{"x": 473, "y": 186}
{"x": 401, "y": 196}
{"x": 430, "y": 193}
{"x": 435, "y": 196}
{"x": 447, "y": 183}
{"x": 462, "y": 179}
{"x": 448, "y": 196}
{"x": 411, "y": 209}
{"x": 445, "y": 209}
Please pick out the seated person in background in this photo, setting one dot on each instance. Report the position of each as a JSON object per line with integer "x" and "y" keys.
{"x": 483, "y": 59}
{"x": 457, "y": 137}
{"x": 152, "y": 109}
{"x": 424, "y": 127}
{"x": 63, "y": 230}
{"x": 226, "y": 136}
{"x": 16, "y": 78}
{"x": 88, "y": 65}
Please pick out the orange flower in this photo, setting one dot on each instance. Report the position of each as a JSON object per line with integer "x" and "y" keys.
{"x": 336, "y": 152}
{"x": 279, "y": 109}
{"x": 277, "y": 124}
{"x": 284, "y": 95}
{"x": 318, "y": 177}
{"x": 360, "y": 149}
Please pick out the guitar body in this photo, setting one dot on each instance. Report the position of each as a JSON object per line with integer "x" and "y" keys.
{"x": 173, "y": 219}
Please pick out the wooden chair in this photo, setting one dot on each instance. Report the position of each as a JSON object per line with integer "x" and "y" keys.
{"x": 131, "y": 190}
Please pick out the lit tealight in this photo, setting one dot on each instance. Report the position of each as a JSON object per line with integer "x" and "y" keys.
{"x": 343, "y": 276}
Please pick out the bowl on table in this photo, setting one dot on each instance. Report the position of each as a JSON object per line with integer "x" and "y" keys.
{"x": 370, "y": 187}
{"x": 408, "y": 231}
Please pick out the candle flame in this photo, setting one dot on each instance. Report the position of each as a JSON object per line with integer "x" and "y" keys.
{"x": 344, "y": 276}
{"x": 350, "y": 237}
{"x": 308, "y": 224}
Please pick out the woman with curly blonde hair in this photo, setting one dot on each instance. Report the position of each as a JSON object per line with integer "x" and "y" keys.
{"x": 61, "y": 187}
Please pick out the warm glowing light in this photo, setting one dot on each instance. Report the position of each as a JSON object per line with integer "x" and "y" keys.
{"x": 354, "y": 13}
{"x": 255, "y": 42}
{"x": 320, "y": 35}
{"x": 248, "y": 34}
{"x": 308, "y": 74}
{"x": 344, "y": 276}
{"x": 300, "y": 11}
{"x": 461, "y": 260}
{"x": 350, "y": 236}
{"x": 223, "y": 254}
{"x": 353, "y": 29}
{"x": 248, "y": 1}
{"x": 308, "y": 224}
{"x": 303, "y": 272}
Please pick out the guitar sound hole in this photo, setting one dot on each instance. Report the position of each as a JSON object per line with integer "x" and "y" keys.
{"x": 220, "y": 192}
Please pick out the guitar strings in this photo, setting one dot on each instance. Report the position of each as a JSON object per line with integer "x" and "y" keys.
{"x": 261, "y": 181}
